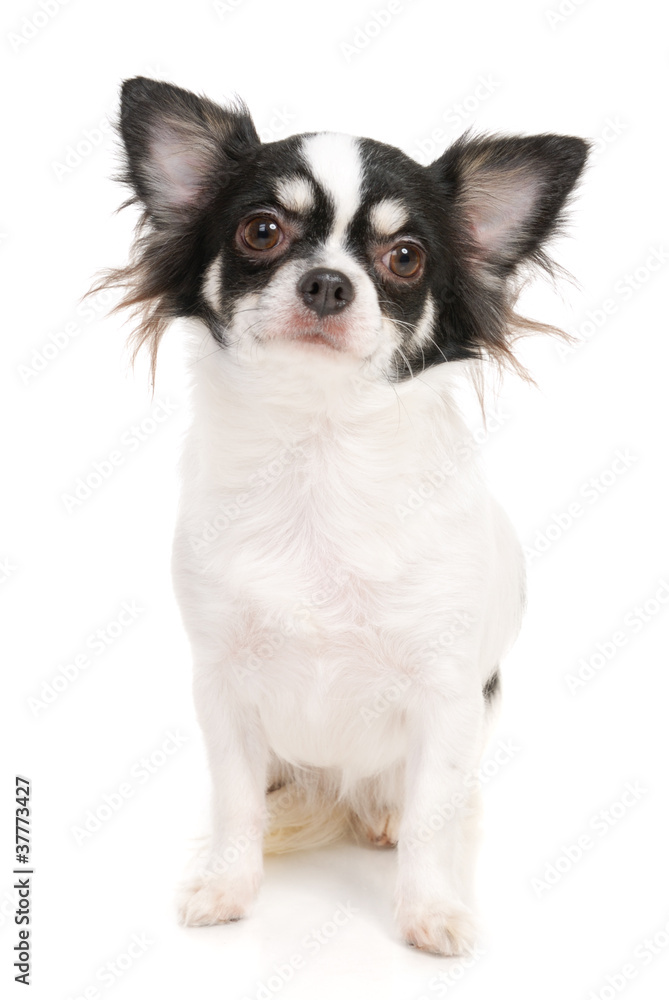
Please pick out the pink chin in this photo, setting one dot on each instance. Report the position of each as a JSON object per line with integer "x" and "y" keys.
{"x": 319, "y": 339}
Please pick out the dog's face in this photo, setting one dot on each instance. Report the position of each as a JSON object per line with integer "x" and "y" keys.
{"x": 329, "y": 243}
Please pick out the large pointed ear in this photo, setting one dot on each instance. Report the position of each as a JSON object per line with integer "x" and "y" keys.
{"x": 508, "y": 193}
{"x": 504, "y": 197}
{"x": 181, "y": 149}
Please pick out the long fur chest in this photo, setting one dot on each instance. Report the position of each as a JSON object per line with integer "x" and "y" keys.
{"x": 362, "y": 498}
{"x": 339, "y": 556}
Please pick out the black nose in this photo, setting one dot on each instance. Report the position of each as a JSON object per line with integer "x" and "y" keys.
{"x": 325, "y": 291}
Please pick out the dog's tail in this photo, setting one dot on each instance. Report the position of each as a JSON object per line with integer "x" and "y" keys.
{"x": 300, "y": 818}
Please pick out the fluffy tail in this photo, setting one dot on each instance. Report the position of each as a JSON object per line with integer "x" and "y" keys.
{"x": 300, "y": 818}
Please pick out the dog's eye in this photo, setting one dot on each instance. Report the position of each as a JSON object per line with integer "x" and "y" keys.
{"x": 405, "y": 260}
{"x": 262, "y": 233}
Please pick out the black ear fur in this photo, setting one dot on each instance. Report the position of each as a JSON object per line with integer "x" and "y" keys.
{"x": 181, "y": 153}
{"x": 181, "y": 149}
{"x": 505, "y": 197}
{"x": 509, "y": 192}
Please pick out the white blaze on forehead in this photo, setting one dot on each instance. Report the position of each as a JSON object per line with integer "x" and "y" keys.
{"x": 388, "y": 216}
{"x": 296, "y": 194}
{"x": 334, "y": 160}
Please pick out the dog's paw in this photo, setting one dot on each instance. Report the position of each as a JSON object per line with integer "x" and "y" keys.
{"x": 378, "y": 827}
{"x": 214, "y": 901}
{"x": 383, "y": 830}
{"x": 440, "y": 929}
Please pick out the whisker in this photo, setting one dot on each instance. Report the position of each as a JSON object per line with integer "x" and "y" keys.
{"x": 404, "y": 358}
{"x": 435, "y": 344}
{"x": 230, "y": 343}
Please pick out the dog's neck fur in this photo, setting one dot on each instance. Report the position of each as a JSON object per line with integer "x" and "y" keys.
{"x": 248, "y": 411}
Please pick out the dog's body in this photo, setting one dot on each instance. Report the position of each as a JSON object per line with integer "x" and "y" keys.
{"x": 348, "y": 585}
{"x": 349, "y": 627}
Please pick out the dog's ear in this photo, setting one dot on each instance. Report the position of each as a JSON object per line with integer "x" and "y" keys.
{"x": 505, "y": 198}
{"x": 181, "y": 149}
{"x": 509, "y": 192}
{"x": 181, "y": 152}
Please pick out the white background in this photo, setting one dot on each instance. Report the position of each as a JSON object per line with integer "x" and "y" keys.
{"x": 598, "y": 70}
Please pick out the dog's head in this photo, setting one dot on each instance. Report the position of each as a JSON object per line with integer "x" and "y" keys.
{"x": 329, "y": 243}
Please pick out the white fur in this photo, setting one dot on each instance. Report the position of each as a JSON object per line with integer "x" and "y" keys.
{"x": 388, "y": 216}
{"x": 423, "y": 331}
{"x": 295, "y": 194}
{"x": 347, "y": 583}
{"x": 334, "y": 160}
{"x": 309, "y": 593}
{"x": 276, "y": 312}
{"x": 211, "y": 284}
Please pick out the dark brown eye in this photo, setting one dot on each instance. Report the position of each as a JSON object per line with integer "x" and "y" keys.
{"x": 404, "y": 260}
{"x": 262, "y": 233}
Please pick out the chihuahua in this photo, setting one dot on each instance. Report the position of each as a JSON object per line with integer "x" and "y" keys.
{"x": 348, "y": 585}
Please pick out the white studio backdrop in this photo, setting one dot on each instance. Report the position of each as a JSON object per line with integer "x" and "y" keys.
{"x": 96, "y": 682}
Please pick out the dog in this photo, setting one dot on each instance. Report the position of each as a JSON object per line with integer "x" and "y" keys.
{"x": 346, "y": 636}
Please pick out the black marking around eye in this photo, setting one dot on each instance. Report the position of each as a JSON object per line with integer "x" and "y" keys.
{"x": 254, "y": 192}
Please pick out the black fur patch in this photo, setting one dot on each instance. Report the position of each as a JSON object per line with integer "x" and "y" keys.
{"x": 491, "y": 686}
{"x": 195, "y": 199}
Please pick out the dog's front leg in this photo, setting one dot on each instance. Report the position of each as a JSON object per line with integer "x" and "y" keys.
{"x": 224, "y": 889}
{"x": 436, "y": 838}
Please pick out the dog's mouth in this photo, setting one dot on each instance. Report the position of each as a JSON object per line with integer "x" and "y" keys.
{"x": 320, "y": 338}
{"x": 314, "y": 334}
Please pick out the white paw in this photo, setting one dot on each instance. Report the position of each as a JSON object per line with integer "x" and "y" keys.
{"x": 439, "y": 928}
{"x": 215, "y": 901}
{"x": 382, "y": 830}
